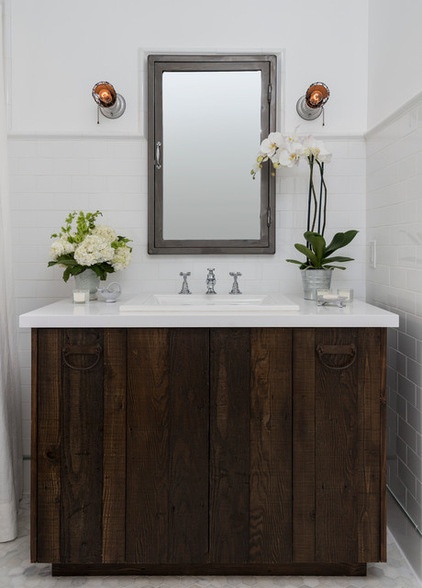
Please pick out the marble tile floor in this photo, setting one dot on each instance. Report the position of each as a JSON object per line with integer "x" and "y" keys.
{"x": 17, "y": 572}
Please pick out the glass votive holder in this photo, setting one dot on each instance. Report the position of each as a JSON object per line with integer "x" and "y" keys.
{"x": 346, "y": 293}
{"x": 329, "y": 298}
{"x": 323, "y": 292}
{"x": 80, "y": 296}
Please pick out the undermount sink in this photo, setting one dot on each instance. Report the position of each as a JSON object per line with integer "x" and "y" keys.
{"x": 209, "y": 302}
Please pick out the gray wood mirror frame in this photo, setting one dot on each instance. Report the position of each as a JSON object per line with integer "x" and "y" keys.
{"x": 207, "y": 115}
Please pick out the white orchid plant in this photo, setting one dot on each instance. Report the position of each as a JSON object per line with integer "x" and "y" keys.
{"x": 287, "y": 151}
{"x": 88, "y": 246}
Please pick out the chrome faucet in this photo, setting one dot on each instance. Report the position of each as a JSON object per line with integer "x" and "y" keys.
{"x": 235, "y": 287}
{"x": 185, "y": 287}
{"x": 211, "y": 281}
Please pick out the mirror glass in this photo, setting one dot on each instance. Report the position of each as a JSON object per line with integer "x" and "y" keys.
{"x": 207, "y": 117}
{"x": 216, "y": 199}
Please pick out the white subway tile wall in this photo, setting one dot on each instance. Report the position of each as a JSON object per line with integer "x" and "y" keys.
{"x": 51, "y": 176}
{"x": 394, "y": 221}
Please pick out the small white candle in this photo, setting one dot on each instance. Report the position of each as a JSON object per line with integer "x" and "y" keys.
{"x": 328, "y": 296}
{"x": 80, "y": 296}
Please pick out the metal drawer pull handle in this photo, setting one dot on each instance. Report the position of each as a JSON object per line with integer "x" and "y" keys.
{"x": 324, "y": 351}
{"x": 158, "y": 155}
{"x": 94, "y": 350}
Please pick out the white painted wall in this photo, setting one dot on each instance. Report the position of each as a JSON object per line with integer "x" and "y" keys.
{"x": 59, "y": 50}
{"x": 394, "y": 56}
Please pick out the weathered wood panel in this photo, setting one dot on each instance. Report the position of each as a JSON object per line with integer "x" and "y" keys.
{"x": 349, "y": 461}
{"x": 337, "y": 457}
{"x": 304, "y": 445}
{"x": 372, "y": 496}
{"x": 82, "y": 412}
{"x": 250, "y": 463}
{"x": 230, "y": 445}
{"x": 46, "y": 427}
{"x": 270, "y": 503}
{"x": 114, "y": 458}
{"x": 167, "y": 452}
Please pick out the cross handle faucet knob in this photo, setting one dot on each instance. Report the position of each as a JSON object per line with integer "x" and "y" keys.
{"x": 235, "y": 287}
{"x": 185, "y": 287}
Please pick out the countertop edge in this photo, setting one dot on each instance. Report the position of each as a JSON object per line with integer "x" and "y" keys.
{"x": 98, "y": 314}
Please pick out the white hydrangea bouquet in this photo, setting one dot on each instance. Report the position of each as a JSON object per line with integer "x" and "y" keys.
{"x": 87, "y": 246}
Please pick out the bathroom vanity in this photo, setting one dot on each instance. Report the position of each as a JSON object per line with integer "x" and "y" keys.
{"x": 208, "y": 442}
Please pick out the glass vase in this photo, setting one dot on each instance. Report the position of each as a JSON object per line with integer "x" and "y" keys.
{"x": 88, "y": 280}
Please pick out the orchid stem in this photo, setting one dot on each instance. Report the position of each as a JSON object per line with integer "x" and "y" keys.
{"x": 312, "y": 192}
{"x": 308, "y": 224}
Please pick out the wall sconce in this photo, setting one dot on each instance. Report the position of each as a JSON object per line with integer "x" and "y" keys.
{"x": 111, "y": 104}
{"x": 311, "y": 105}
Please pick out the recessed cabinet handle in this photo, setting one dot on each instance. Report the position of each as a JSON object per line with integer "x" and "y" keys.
{"x": 70, "y": 350}
{"x": 158, "y": 155}
{"x": 327, "y": 352}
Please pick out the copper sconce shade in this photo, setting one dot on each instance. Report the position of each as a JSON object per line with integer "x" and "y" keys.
{"x": 110, "y": 104}
{"x": 310, "y": 106}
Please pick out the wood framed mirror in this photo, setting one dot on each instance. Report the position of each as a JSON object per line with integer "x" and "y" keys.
{"x": 207, "y": 115}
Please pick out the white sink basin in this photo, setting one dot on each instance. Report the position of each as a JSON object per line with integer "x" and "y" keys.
{"x": 209, "y": 303}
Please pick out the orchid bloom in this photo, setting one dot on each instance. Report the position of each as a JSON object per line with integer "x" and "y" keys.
{"x": 292, "y": 138}
{"x": 289, "y": 155}
{"x": 316, "y": 148}
{"x": 287, "y": 150}
{"x": 270, "y": 145}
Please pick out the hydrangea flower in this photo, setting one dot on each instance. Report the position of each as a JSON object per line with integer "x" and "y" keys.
{"x": 82, "y": 245}
{"x": 94, "y": 249}
{"x": 122, "y": 257}
{"x": 61, "y": 247}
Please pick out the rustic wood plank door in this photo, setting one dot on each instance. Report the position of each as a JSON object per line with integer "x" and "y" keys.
{"x": 209, "y": 446}
{"x": 77, "y": 452}
{"x": 167, "y": 446}
{"x": 251, "y": 446}
{"x": 339, "y": 445}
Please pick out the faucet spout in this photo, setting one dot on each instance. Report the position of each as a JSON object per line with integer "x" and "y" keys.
{"x": 211, "y": 281}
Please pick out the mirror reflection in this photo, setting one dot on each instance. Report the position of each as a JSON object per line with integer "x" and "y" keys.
{"x": 216, "y": 199}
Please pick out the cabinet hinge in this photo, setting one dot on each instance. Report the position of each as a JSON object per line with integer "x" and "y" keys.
{"x": 270, "y": 92}
{"x": 268, "y": 217}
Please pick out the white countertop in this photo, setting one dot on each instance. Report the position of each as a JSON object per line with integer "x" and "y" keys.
{"x": 102, "y": 314}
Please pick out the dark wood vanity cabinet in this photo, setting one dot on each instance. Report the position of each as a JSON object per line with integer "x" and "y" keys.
{"x": 208, "y": 450}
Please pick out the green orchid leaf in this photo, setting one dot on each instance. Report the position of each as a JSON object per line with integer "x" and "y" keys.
{"x": 340, "y": 240}
{"x": 318, "y": 244}
{"x": 303, "y": 249}
{"x": 308, "y": 253}
{"x": 295, "y": 261}
{"x": 337, "y": 258}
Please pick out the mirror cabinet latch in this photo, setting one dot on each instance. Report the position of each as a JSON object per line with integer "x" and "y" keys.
{"x": 158, "y": 155}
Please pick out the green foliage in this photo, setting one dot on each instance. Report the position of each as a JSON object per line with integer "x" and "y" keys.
{"x": 72, "y": 268}
{"x": 105, "y": 252}
{"x": 319, "y": 255}
{"x": 85, "y": 223}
